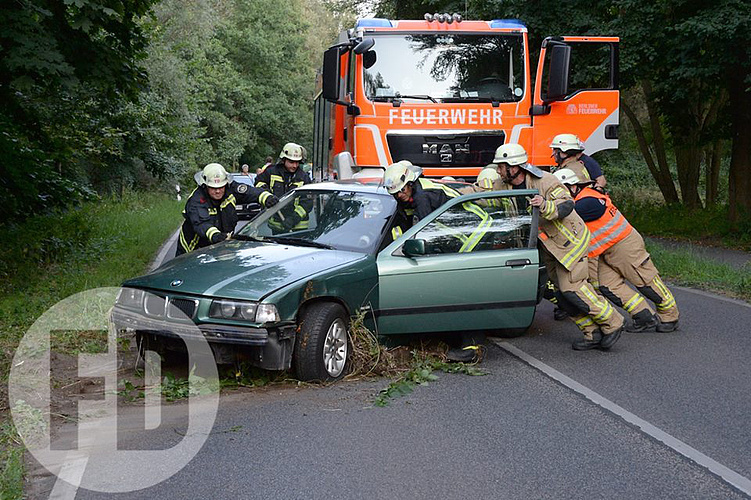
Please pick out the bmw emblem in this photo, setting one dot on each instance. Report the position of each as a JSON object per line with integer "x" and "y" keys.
{"x": 176, "y": 283}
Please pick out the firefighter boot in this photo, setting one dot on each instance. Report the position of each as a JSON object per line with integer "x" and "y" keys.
{"x": 642, "y": 321}
{"x": 670, "y": 326}
{"x": 468, "y": 352}
{"x": 560, "y": 314}
{"x": 609, "y": 340}
{"x": 586, "y": 344}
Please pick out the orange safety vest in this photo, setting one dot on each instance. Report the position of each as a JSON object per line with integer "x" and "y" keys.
{"x": 609, "y": 229}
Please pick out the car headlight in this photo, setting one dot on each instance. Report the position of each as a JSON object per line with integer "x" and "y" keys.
{"x": 130, "y": 297}
{"x": 233, "y": 309}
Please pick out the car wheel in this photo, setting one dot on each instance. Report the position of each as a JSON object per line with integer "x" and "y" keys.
{"x": 322, "y": 344}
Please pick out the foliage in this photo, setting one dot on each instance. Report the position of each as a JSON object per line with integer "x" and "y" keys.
{"x": 420, "y": 373}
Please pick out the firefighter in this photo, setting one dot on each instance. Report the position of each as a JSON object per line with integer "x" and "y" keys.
{"x": 417, "y": 197}
{"x": 621, "y": 256}
{"x": 281, "y": 178}
{"x": 209, "y": 213}
{"x": 568, "y": 152}
{"x": 564, "y": 240}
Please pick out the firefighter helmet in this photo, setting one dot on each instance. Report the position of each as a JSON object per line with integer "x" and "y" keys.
{"x": 513, "y": 154}
{"x": 292, "y": 151}
{"x": 567, "y": 142}
{"x": 568, "y": 177}
{"x": 215, "y": 176}
{"x": 487, "y": 177}
{"x": 398, "y": 174}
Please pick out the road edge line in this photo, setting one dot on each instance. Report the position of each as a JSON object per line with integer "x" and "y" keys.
{"x": 161, "y": 254}
{"x": 734, "y": 479}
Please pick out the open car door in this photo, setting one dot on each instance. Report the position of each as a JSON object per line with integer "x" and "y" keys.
{"x": 576, "y": 92}
{"x": 472, "y": 264}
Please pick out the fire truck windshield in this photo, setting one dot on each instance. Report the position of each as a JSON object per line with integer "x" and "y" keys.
{"x": 446, "y": 66}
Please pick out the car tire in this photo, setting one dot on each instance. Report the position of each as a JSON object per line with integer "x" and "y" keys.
{"x": 322, "y": 344}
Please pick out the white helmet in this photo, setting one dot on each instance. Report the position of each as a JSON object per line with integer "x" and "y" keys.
{"x": 292, "y": 151}
{"x": 398, "y": 174}
{"x": 513, "y": 154}
{"x": 487, "y": 177}
{"x": 214, "y": 175}
{"x": 567, "y": 142}
{"x": 568, "y": 177}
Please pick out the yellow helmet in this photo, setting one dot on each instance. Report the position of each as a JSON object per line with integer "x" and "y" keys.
{"x": 398, "y": 174}
{"x": 292, "y": 151}
{"x": 513, "y": 154}
{"x": 214, "y": 175}
{"x": 567, "y": 142}
{"x": 487, "y": 177}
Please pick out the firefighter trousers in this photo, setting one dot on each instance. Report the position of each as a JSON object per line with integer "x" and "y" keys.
{"x": 587, "y": 308}
{"x": 628, "y": 260}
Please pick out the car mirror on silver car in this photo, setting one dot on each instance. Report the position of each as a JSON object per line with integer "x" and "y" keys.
{"x": 414, "y": 247}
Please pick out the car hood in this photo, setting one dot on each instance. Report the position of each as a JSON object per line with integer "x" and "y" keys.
{"x": 242, "y": 269}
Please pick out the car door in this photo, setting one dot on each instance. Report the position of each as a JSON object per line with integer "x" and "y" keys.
{"x": 453, "y": 285}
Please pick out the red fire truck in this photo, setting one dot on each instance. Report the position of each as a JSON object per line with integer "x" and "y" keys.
{"x": 444, "y": 93}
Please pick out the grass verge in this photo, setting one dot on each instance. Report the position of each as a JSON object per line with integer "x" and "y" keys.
{"x": 682, "y": 267}
{"x": 51, "y": 257}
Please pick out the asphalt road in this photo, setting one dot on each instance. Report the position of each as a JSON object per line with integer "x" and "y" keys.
{"x": 514, "y": 433}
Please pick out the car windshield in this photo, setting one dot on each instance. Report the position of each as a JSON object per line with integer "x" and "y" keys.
{"x": 343, "y": 220}
{"x": 450, "y": 67}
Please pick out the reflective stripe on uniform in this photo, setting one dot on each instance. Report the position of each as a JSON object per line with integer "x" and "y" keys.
{"x": 580, "y": 244}
{"x": 211, "y": 232}
{"x": 300, "y": 211}
{"x": 633, "y": 302}
{"x": 556, "y": 192}
{"x": 668, "y": 301}
{"x": 548, "y": 209}
{"x": 188, "y": 247}
{"x": 584, "y": 322}
{"x": 606, "y": 310}
{"x": 263, "y": 197}
{"x": 275, "y": 178}
{"x": 230, "y": 200}
{"x": 396, "y": 232}
{"x": 618, "y": 225}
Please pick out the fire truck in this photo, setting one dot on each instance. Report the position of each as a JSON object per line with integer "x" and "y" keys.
{"x": 444, "y": 93}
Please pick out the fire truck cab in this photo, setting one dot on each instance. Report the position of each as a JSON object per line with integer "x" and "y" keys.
{"x": 445, "y": 93}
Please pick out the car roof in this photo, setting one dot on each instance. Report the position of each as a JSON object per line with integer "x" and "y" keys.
{"x": 357, "y": 185}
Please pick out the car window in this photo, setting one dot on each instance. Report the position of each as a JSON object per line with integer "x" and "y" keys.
{"x": 492, "y": 223}
{"x": 343, "y": 220}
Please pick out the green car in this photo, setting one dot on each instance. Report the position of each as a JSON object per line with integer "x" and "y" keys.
{"x": 282, "y": 291}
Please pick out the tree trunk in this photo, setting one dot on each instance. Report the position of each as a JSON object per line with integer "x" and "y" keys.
{"x": 659, "y": 142}
{"x": 688, "y": 162}
{"x": 739, "y": 189}
{"x": 712, "y": 161}
{"x": 665, "y": 184}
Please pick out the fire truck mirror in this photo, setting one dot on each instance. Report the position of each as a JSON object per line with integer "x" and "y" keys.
{"x": 560, "y": 56}
{"x": 369, "y": 59}
{"x": 364, "y": 46}
{"x": 331, "y": 74}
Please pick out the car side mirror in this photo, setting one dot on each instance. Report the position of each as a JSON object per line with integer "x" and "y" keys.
{"x": 414, "y": 247}
{"x": 560, "y": 57}
{"x": 369, "y": 59}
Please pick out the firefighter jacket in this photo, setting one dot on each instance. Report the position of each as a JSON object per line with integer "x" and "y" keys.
{"x": 607, "y": 229}
{"x": 278, "y": 181}
{"x": 427, "y": 196}
{"x": 562, "y": 232}
{"x": 207, "y": 221}
{"x": 578, "y": 168}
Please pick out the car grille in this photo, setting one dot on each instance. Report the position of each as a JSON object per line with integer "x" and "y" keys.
{"x": 450, "y": 150}
{"x": 156, "y": 306}
{"x": 186, "y": 306}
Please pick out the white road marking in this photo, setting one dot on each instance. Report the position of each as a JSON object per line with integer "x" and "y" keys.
{"x": 731, "y": 477}
{"x": 712, "y": 295}
{"x": 166, "y": 247}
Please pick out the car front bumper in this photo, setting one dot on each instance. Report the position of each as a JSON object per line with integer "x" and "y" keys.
{"x": 269, "y": 348}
